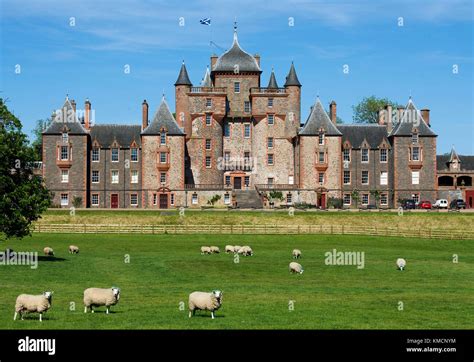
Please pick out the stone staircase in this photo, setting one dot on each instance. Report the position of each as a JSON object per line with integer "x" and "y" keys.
{"x": 248, "y": 199}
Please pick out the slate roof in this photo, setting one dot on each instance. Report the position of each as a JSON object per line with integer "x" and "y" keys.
{"x": 272, "y": 83}
{"x": 183, "y": 78}
{"x": 318, "y": 119}
{"x": 236, "y": 56}
{"x": 163, "y": 119}
{"x": 374, "y": 134}
{"x": 106, "y": 134}
{"x": 405, "y": 128}
{"x": 292, "y": 78}
{"x": 73, "y": 125}
{"x": 442, "y": 162}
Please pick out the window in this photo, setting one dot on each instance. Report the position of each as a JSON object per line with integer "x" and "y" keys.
{"x": 383, "y": 199}
{"x": 365, "y": 155}
{"x": 236, "y": 87}
{"x": 134, "y": 154}
{"x": 416, "y": 197}
{"x": 321, "y": 138}
{"x": 64, "y": 199}
{"x": 384, "y": 178}
{"x": 226, "y": 156}
{"x": 347, "y": 177}
{"x": 227, "y": 130}
{"x": 414, "y": 138}
{"x": 95, "y": 177}
{"x": 115, "y": 154}
{"x": 247, "y": 159}
{"x": 321, "y": 178}
{"x": 64, "y": 153}
{"x": 365, "y": 199}
{"x": 208, "y": 144}
{"x": 270, "y": 142}
{"x": 289, "y": 198}
{"x": 347, "y": 199}
{"x": 162, "y": 138}
{"x": 270, "y": 159}
{"x": 270, "y": 102}
{"x": 415, "y": 154}
{"x": 155, "y": 199}
{"x": 271, "y": 119}
{"x": 383, "y": 155}
{"x": 415, "y": 177}
{"x": 247, "y": 107}
{"x": 226, "y": 199}
{"x": 115, "y": 177}
{"x": 365, "y": 177}
{"x": 95, "y": 154}
{"x": 134, "y": 176}
{"x": 247, "y": 181}
{"x": 208, "y": 161}
{"x": 270, "y": 181}
{"x": 163, "y": 157}
{"x": 321, "y": 157}
{"x": 227, "y": 180}
{"x": 64, "y": 175}
{"x": 347, "y": 155}
{"x": 208, "y": 102}
{"x": 171, "y": 199}
{"x": 194, "y": 199}
{"x": 65, "y": 138}
{"x": 95, "y": 200}
{"x": 208, "y": 119}
{"x": 247, "y": 130}
{"x": 163, "y": 177}
{"x": 133, "y": 200}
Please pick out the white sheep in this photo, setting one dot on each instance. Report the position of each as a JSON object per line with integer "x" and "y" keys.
{"x": 229, "y": 249}
{"x": 73, "y": 249}
{"x": 401, "y": 263}
{"x": 215, "y": 249}
{"x": 246, "y": 251}
{"x": 27, "y": 303}
{"x": 205, "y": 250}
{"x": 237, "y": 248}
{"x": 296, "y": 268}
{"x": 205, "y": 301}
{"x": 96, "y": 297}
{"x": 296, "y": 253}
{"x": 48, "y": 251}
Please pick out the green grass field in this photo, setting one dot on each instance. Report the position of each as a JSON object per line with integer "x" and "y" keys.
{"x": 163, "y": 270}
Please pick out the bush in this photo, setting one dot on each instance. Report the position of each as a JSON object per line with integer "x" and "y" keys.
{"x": 213, "y": 199}
{"x": 304, "y": 205}
{"x": 275, "y": 195}
{"x": 77, "y": 201}
{"x": 335, "y": 202}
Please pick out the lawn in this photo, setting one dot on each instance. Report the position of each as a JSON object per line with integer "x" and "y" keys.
{"x": 436, "y": 293}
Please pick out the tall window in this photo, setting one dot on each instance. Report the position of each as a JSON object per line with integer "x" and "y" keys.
{"x": 208, "y": 102}
{"x": 227, "y": 199}
{"x": 65, "y": 137}
{"x": 365, "y": 199}
{"x": 270, "y": 159}
{"x": 163, "y": 138}
{"x": 321, "y": 178}
{"x": 383, "y": 155}
{"x": 163, "y": 177}
{"x": 134, "y": 176}
{"x": 95, "y": 178}
{"x": 133, "y": 200}
{"x": 134, "y": 154}
{"x": 365, "y": 155}
{"x": 163, "y": 157}
{"x": 155, "y": 199}
{"x": 247, "y": 107}
{"x": 415, "y": 177}
{"x": 347, "y": 199}
{"x": 270, "y": 142}
{"x": 414, "y": 138}
{"x": 171, "y": 199}
{"x": 415, "y": 153}
{"x": 95, "y": 154}
{"x": 289, "y": 198}
{"x": 416, "y": 198}
{"x": 64, "y": 153}
{"x": 271, "y": 119}
{"x": 270, "y": 181}
{"x": 247, "y": 130}
{"x": 64, "y": 176}
{"x": 227, "y": 180}
{"x": 384, "y": 178}
{"x": 115, "y": 154}
{"x": 64, "y": 199}
{"x": 347, "y": 177}
{"x": 236, "y": 87}
{"x": 194, "y": 199}
{"x": 208, "y": 119}
{"x": 321, "y": 139}
{"x": 115, "y": 177}
{"x": 383, "y": 199}
{"x": 247, "y": 181}
{"x": 346, "y": 155}
{"x": 321, "y": 157}
{"x": 270, "y": 102}
{"x": 208, "y": 144}
{"x": 95, "y": 200}
{"x": 227, "y": 130}
{"x": 208, "y": 161}
{"x": 365, "y": 177}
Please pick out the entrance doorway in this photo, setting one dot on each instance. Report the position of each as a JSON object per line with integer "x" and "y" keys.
{"x": 237, "y": 183}
{"x": 114, "y": 200}
{"x": 163, "y": 201}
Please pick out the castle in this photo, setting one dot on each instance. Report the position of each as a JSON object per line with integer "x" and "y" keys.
{"x": 233, "y": 141}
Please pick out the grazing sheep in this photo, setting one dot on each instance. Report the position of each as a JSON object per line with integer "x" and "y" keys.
{"x": 215, "y": 250}
{"x": 205, "y": 250}
{"x": 246, "y": 251}
{"x": 296, "y": 253}
{"x": 27, "y": 303}
{"x": 296, "y": 268}
{"x": 229, "y": 249}
{"x": 73, "y": 249}
{"x": 401, "y": 263}
{"x": 205, "y": 301}
{"x": 97, "y": 297}
{"x": 48, "y": 251}
{"x": 237, "y": 248}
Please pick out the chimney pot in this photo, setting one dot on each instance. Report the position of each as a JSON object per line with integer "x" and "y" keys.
{"x": 87, "y": 116}
{"x": 425, "y": 113}
{"x": 144, "y": 115}
{"x": 333, "y": 112}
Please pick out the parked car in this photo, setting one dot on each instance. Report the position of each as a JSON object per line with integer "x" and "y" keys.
{"x": 408, "y": 204}
{"x": 457, "y": 204}
{"x": 441, "y": 204}
{"x": 425, "y": 205}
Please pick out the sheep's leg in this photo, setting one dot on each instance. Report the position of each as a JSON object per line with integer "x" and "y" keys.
{"x": 212, "y": 315}
{"x": 14, "y": 317}
{"x": 92, "y": 310}
{"x": 107, "y": 310}
{"x": 190, "y": 313}
{"x": 85, "y": 309}
{"x": 41, "y": 317}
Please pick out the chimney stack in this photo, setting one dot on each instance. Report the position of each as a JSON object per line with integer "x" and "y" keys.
{"x": 87, "y": 114}
{"x": 388, "y": 121}
{"x": 257, "y": 58}
{"x": 213, "y": 60}
{"x": 400, "y": 113}
{"x": 425, "y": 113}
{"x": 144, "y": 115}
{"x": 333, "y": 112}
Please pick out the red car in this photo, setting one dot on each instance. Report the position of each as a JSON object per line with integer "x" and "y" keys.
{"x": 425, "y": 205}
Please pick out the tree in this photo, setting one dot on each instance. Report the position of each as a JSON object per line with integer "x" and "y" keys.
{"x": 367, "y": 111}
{"x": 23, "y": 196}
{"x": 37, "y": 143}
{"x": 376, "y": 195}
{"x": 338, "y": 119}
{"x": 355, "y": 195}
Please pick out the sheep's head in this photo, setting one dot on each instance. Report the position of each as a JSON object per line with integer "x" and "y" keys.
{"x": 218, "y": 295}
{"x": 116, "y": 292}
{"x": 48, "y": 295}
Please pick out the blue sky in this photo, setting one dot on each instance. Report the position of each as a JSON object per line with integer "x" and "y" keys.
{"x": 384, "y": 59}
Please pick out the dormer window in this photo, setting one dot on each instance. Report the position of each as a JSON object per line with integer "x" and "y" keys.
{"x": 321, "y": 138}
{"x": 65, "y": 137}
{"x": 162, "y": 138}
{"x": 236, "y": 87}
{"x": 414, "y": 138}
{"x": 347, "y": 155}
{"x": 365, "y": 155}
{"x": 208, "y": 102}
